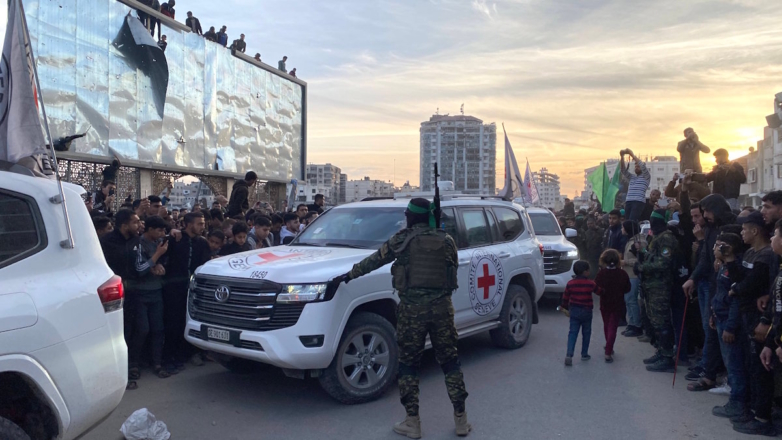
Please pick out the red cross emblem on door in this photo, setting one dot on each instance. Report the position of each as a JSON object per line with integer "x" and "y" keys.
{"x": 486, "y": 281}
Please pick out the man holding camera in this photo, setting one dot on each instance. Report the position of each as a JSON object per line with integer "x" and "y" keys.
{"x": 689, "y": 150}
{"x": 636, "y": 189}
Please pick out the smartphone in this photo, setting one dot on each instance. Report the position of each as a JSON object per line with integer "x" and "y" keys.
{"x": 111, "y": 192}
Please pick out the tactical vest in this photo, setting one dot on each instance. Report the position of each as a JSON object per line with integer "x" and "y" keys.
{"x": 422, "y": 263}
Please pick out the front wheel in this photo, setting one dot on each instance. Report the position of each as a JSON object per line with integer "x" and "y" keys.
{"x": 515, "y": 319}
{"x": 365, "y": 364}
{"x": 11, "y": 431}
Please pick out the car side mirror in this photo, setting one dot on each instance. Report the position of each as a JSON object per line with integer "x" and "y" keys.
{"x": 571, "y": 233}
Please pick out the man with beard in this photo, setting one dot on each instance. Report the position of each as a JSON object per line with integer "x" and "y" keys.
{"x": 614, "y": 239}
{"x": 184, "y": 257}
{"x": 659, "y": 265}
{"x": 716, "y": 213}
{"x": 636, "y": 189}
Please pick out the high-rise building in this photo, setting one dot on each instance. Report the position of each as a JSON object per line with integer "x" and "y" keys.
{"x": 330, "y": 176}
{"x": 548, "y": 188}
{"x": 357, "y": 190}
{"x": 465, "y": 150}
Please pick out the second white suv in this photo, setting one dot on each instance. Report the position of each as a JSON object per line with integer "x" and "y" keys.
{"x": 63, "y": 358}
{"x": 559, "y": 254}
{"x": 271, "y": 306}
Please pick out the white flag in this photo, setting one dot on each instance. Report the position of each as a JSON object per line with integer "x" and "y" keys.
{"x": 514, "y": 184}
{"x": 532, "y": 189}
{"x": 21, "y": 135}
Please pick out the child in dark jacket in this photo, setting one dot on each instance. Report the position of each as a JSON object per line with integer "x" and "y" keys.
{"x": 613, "y": 283}
{"x": 734, "y": 344}
{"x": 577, "y": 299}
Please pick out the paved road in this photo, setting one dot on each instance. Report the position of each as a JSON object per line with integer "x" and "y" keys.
{"x": 521, "y": 394}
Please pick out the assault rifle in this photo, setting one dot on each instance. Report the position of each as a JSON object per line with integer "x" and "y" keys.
{"x": 436, "y": 199}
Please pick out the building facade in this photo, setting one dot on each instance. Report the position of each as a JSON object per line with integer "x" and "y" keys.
{"x": 465, "y": 150}
{"x": 326, "y": 176}
{"x": 548, "y": 188}
{"x": 185, "y": 195}
{"x": 357, "y": 190}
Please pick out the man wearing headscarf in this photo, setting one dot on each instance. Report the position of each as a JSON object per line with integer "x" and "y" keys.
{"x": 659, "y": 266}
{"x": 424, "y": 274}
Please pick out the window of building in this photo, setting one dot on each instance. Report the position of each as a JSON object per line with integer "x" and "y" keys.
{"x": 779, "y": 171}
{"x": 752, "y": 175}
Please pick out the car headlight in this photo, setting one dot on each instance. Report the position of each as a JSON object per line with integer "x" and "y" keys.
{"x": 192, "y": 284}
{"x": 571, "y": 255}
{"x": 301, "y": 293}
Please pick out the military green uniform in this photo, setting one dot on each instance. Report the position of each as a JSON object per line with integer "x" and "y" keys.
{"x": 424, "y": 274}
{"x": 658, "y": 273}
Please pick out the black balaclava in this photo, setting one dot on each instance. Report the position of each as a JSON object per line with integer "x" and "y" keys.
{"x": 657, "y": 222}
{"x": 413, "y": 218}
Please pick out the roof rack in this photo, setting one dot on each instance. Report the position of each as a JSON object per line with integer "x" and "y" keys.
{"x": 475, "y": 196}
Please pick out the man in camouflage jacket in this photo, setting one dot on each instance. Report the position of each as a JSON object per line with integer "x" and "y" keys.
{"x": 424, "y": 275}
{"x": 658, "y": 272}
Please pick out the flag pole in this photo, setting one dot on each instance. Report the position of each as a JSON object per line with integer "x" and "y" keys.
{"x": 25, "y": 38}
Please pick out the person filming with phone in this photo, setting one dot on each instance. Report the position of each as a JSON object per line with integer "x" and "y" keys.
{"x": 726, "y": 176}
{"x": 689, "y": 150}
{"x": 636, "y": 190}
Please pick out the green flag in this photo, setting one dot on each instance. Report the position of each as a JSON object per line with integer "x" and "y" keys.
{"x": 616, "y": 184}
{"x": 605, "y": 189}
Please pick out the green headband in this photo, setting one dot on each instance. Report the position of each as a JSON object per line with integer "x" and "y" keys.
{"x": 658, "y": 216}
{"x": 415, "y": 209}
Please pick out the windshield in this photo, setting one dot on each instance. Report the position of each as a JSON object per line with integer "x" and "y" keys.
{"x": 544, "y": 224}
{"x": 353, "y": 227}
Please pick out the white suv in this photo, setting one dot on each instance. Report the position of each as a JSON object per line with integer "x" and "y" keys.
{"x": 559, "y": 254}
{"x": 63, "y": 359}
{"x": 271, "y": 305}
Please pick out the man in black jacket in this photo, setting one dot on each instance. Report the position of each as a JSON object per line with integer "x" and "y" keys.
{"x": 239, "y": 45}
{"x": 727, "y": 177}
{"x": 238, "y": 203}
{"x": 184, "y": 257}
{"x": 717, "y": 214}
{"x": 193, "y": 23}
{"x": 120, "y": 248}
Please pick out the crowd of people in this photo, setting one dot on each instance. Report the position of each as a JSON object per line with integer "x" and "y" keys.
{"x": 156, "y": 249}
{"x": 702, "y": 286}
{"x": 220, "y": 37}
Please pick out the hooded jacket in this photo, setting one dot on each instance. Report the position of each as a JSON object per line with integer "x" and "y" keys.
{"x": 717, "y": 205}
{"x": 120, "y": 254}
{"x": 238, "y": 201}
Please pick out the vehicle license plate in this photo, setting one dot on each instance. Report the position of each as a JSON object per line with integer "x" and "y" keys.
{"x": 220, "y": 335}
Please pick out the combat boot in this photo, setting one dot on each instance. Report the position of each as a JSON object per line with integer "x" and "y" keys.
{"x": 664, "y": 365}
{"x": 410, "y": 427}
{"x": 462, "y": 427}
{"x": 651, "y": 360}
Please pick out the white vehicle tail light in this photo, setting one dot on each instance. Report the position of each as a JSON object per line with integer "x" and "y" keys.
{"x": 111, "y": 294}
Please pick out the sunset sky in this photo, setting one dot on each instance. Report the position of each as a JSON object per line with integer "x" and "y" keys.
{"x": 574, "y": 82}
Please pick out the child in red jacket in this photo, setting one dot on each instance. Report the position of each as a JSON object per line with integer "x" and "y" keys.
{"x": 613, "y": 283}
{"x": 577, "y": 299}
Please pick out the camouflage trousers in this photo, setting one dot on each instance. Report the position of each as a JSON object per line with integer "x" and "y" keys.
{"x": 658, "y": 308}
{"x": 414, "y": 322}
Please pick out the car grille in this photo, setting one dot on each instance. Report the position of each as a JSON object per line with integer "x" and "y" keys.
{"x": 553, "y": 263}
{"x": 250, "y": 305}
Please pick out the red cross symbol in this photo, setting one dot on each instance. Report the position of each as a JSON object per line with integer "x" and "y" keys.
{"x": 271, "y": 257}
{"x": 486, "y": 281}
